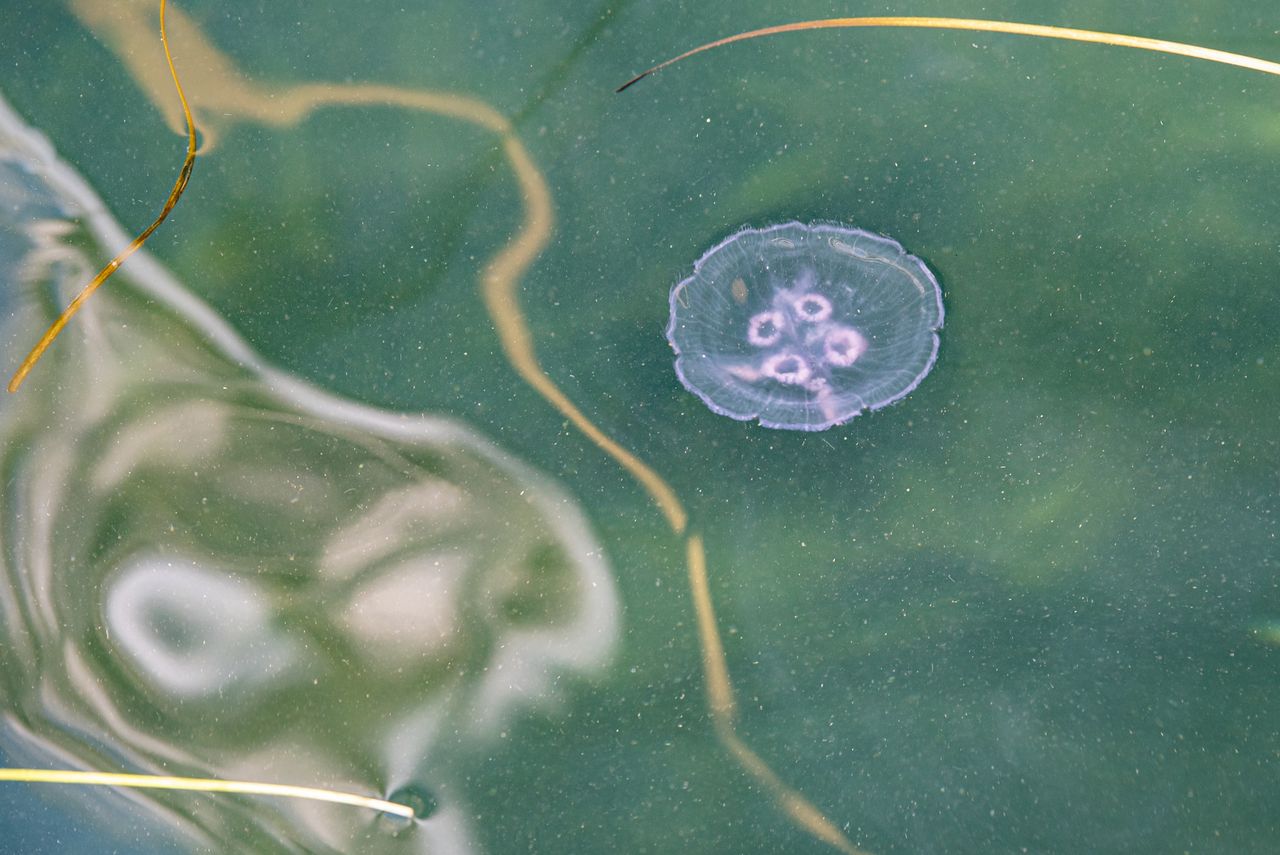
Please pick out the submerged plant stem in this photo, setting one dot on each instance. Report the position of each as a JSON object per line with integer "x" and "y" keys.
{"x": 184, "y": 175}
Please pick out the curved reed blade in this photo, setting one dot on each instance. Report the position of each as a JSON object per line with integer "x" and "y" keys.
{"x": 202, "y": 785}
{"x": 982, "y": 26}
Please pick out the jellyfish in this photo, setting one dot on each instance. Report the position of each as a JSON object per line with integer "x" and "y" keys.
{"x": 804, "y": 326}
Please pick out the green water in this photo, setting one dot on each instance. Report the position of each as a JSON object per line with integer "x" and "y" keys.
{"x": 1031, "y": 606}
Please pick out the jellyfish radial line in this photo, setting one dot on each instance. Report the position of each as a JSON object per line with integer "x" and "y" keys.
{"x": 184, "y": 175}
{"x": 982, "y": 26}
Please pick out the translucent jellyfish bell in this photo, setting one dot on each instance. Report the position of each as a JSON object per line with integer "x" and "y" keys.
{"x": 804, "y": 326}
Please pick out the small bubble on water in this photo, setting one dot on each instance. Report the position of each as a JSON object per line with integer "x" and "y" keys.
{"x": 415, "y": 796}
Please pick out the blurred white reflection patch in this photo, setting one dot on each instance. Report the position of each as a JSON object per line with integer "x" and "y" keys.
{"x": 214, "y": 569}
{"x": 193, "y": 631}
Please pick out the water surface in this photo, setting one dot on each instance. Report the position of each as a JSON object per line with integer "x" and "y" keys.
{"x": 1031, "y": 605}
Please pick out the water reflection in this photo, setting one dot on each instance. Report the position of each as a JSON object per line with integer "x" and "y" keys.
{"x": 214, "y": 569}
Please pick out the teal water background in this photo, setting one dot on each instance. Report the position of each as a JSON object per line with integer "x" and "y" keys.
{"x": 1032, "y": 605}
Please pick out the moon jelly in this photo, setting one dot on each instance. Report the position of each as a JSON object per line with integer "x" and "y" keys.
{"x": 804, "y": 326}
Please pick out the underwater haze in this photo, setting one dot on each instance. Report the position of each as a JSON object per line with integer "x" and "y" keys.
{"x": 290, "y": 505}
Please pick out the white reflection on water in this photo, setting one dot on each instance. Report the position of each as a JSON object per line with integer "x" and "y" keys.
{"x": 195, "y": 632}
{"x": 214, "y": 569}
